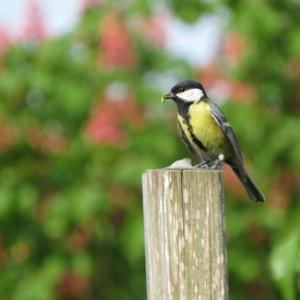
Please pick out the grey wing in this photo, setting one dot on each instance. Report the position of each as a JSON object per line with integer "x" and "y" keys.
{"x": 219, "y": 117}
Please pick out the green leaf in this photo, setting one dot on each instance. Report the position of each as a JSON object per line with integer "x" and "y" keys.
{"x": 284, "y": 264}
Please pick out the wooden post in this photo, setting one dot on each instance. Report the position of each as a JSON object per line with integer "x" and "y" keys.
{"x": 184, "y": 234}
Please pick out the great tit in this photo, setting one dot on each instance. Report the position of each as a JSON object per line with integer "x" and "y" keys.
{"x": 207, "y": 133}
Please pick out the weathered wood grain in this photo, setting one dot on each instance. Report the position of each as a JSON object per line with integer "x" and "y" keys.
{"x": 184, "y": 234}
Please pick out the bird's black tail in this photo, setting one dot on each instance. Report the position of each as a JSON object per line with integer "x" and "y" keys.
{"x": 250, "y": 187}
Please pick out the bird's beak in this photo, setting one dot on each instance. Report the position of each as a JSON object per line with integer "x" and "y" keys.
{"x": 168, "y": 96}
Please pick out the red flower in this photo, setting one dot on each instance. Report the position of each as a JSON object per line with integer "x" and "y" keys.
{"x": 282, "y": 189}
{"x": 34, "y": 27}
{"x": 255, "y": 234}
{"x": 6, "y": 137}
{"x": 5, "y": 39}
{"x": 89, "y": 3}
{"x": 105, "y": 123}
{"x": 103, "y": 127}
{"x": 2, "y": 256}
{"x": 73, "y": 286}
{"x": 234, "y": 48}
{"x": 225, "y": 87}
{"x": 155, "y": 30}
{"x": 78, "y": 239}
{"x": 117, "y": 50}
{"x": 52, "y": 143}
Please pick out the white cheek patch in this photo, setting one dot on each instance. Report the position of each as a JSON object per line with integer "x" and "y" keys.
{"x": 191, "y": 95}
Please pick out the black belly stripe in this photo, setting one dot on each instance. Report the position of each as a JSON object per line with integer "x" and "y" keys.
{"x": 194, "y": 138}
{"x": 185, "y": 139}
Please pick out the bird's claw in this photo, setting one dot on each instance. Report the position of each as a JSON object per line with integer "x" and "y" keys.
{"x": 202, "y": 165}
{"x": 217, "y": 164}
{"x": 213, "y": 165}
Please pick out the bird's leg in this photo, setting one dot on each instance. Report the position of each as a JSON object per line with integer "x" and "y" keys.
{"x": 203, "y": 160}
{"x": 204, "y": 164}
{"x": 216, "y": 164}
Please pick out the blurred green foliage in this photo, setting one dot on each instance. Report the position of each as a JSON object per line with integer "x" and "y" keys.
{"x": 70, "y": 202}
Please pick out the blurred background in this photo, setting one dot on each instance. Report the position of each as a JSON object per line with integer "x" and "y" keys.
{"x": 80, "y": 120}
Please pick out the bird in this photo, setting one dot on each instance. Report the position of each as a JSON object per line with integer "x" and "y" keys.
{"x": 207, "y": 133}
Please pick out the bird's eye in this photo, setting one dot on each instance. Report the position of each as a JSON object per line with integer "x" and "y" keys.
{"x": 181, "y": 89}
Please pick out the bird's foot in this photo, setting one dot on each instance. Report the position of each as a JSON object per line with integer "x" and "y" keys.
{"x": 215, "y": 165}
{"x": 219, "y": 162}
{"x": 210, "y": 164}
{"x": 203, "y": 165}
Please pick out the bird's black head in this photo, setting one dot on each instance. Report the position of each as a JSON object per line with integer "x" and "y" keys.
{"x": 187, "y": 91}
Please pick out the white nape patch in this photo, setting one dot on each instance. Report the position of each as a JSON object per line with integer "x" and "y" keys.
{"x": 190, "y": 95}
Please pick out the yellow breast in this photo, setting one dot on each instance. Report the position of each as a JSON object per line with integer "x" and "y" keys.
{"x": 205, "y": 128}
